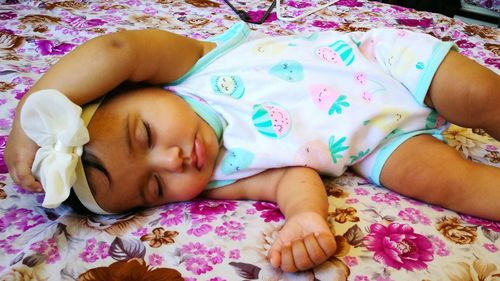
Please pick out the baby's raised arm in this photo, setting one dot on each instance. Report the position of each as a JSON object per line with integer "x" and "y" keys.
{"x": 101, "y": 64}
{"x": 305, "y": 240}
{"x": 95, "y": 68}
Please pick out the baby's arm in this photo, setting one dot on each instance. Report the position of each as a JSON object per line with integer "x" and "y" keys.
{"x": 95, "y": 68}
{"x": 101, "y": 64}
{"x": 305, "y": 240}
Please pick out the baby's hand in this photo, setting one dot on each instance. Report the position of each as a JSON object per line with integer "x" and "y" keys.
{"x": 19, "y": 155}
{"x": 304, "y": 242}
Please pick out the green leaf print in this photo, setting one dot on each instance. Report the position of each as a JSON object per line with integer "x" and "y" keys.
{"x": 394, "y": 133}
{"x": 336, "y": 147}
{"x": 338, "y": 104}
{"x": 360, "y": 155}
{"x": 431, "y": 121}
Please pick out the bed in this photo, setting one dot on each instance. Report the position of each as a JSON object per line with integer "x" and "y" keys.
{"x": 381, "y": 235}
{"x": 488, "y": 10}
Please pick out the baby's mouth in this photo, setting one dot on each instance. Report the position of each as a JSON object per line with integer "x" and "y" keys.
{"x": 199, "y": 154}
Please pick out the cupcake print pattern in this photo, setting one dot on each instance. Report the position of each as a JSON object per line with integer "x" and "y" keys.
{"x": 337, "y": 53}
{"x": 235, "y": 160}
{"x": 229, "y": 85}
{"x": 328, "y": 99}
{"x": 288, "y": 70}
{"x": 271, "y": 120}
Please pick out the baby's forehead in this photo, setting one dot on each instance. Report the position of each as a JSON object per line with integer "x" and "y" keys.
{"x": 133, "y": 91}
{"x": 125, "y": 98}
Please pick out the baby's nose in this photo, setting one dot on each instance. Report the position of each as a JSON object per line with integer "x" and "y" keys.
{"x": 168, "y": 159}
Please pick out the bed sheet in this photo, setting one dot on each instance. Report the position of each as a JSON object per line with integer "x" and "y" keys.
{"x": 493, "y": 5}
{"x": 381, "y": 235}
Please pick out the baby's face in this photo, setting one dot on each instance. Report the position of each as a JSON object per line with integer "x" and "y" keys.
{"x": 153, "y": 149}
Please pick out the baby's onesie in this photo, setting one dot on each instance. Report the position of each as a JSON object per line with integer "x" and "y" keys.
{"x": 324, "y": 100}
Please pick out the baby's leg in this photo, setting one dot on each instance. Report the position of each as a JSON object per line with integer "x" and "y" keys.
{"x": 466, "y": 94}
{"x": 427, "y": 169}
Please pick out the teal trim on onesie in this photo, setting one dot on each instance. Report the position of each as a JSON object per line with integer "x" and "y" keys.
{"x": 207, "y": 114}
{"x": 435, "y": 60}
{"x": 230, "y": 39}
{"x": 215, "y": 184}
{"x": 386, "y": 151}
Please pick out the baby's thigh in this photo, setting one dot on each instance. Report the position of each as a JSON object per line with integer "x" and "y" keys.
{"x": 422, "y": 167}
{"x": 465, "y": 92}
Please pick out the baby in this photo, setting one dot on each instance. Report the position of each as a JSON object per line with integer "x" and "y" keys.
{"x": 244, "y": 116}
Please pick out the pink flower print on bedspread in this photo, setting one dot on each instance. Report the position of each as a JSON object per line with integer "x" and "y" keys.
{"x": 201, "y": 230}
{"x": 46, "y": 250}
{"x": 7, "y": 245}
{"x": 3, "y": 165}
{"x": 349, "y": 3}
{"x": 231, "y": 229}
{"x": 194, "y": 256}
{"x": 414, "y": 216}
{"x": 172, "y": 216}
{"x": 398, "y": 246}
{"x": 193, "y": 248}
{"x": 388, "y": 198}
{"x": 465, "y": 44}
{"x": 421, "y": 22}
{"x": 299, "y": 4}
{"x": 212, "y": 207}
{"x": 7, "y": 15}
{"x": 200, "y": 259}
{"x": 94, "y": 251}
{"x": 493, "y": 61}
{"x": 325, "y": 24}
{"x": 47, "y": 47}
{"x": 269, "y": 211}
{"x": 82, "y": 23}
{"x": 440, "y": 247}
{"x": 22, "y": 219}
{"x": 259, "y": 14}
{"x": 491, "y": 225}
{"x": 490, "y": 247}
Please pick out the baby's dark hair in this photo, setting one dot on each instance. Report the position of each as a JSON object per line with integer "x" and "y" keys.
{"x": 77, "y": 206}
{"x": 88, "y": 161}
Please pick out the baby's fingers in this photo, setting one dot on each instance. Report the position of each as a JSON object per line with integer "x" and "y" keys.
{"x": 307, "y": 253}
{"x": 302, "y": 254}
{"x": 22, "y": 176}
{"x": 327, "y": 243}
{"x": 274, "y": 254}
{"x": 315, "y": 250}
{"x": 288, "y": 256}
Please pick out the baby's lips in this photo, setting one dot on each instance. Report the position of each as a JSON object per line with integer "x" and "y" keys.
{"x": 200, "y": 154}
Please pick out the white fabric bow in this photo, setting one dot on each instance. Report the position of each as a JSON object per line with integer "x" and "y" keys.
{"x": 51, "y": 120}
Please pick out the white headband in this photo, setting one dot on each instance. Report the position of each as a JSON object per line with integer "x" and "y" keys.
{"x": 58, "y": 126}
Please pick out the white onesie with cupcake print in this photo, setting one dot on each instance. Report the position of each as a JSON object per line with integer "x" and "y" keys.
{"x": 324, "y": 100}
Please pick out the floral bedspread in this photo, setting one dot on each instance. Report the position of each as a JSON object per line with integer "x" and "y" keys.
{"x": 381, "y": 235}
{"x": 493, "y": 5}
